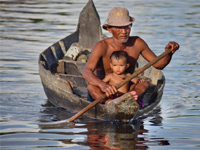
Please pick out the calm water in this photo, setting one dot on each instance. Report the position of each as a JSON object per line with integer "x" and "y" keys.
{"x": 29, "y": 27}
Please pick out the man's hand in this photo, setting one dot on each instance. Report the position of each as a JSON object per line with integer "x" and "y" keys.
{"x": 173, "y": 46}
{"x": 108, "y": 89}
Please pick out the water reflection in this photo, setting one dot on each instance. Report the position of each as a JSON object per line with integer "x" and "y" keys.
{"x": 97, "y": 134}
{"x": 105, "y": 135}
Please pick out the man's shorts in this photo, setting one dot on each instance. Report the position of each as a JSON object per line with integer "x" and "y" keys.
{"x": 89, "y": 97}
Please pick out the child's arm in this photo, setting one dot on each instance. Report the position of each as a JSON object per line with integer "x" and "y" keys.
{"x": 107, "y": 78}
{"x": 134, "y": 80}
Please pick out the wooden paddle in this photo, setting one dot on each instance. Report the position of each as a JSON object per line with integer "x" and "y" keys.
{"x": 102, "y": 97}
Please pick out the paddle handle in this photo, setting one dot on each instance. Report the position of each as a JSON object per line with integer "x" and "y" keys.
{"x": 102, "y": 97}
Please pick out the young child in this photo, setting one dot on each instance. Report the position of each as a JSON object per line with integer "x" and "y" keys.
{"x": 119, "y": 64}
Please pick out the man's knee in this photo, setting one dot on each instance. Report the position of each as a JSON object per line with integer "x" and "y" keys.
{"x": 89, "y": 87}
{"x": 94, "y": 91}
{"x": 142, "y": 87}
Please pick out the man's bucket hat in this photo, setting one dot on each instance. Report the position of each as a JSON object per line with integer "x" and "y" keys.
{"x": 118, "y": 17}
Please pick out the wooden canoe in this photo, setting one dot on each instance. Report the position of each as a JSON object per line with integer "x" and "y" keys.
{"x": 63, "y": 83}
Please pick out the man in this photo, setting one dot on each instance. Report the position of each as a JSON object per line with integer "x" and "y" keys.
{"x": 119, "y": 23}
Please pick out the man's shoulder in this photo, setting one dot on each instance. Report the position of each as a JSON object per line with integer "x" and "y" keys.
{"x": 135, "y": 38}
{"x": 138, "y": 41}
{"x": 100, "y": 47}
{"x": 103, "y": 43}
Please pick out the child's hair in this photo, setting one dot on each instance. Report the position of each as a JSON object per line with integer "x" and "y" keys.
{"x": 119, "y": 54}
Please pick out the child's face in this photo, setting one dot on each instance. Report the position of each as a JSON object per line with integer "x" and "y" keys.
{"x": 119, "y": 66}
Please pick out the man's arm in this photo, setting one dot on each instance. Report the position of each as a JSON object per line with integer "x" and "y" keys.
{"x": 91, "y": 65}
{"x": 149, "y": 55}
